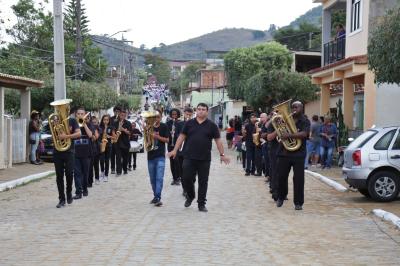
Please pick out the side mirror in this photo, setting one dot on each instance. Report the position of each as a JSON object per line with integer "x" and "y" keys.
{"x": 350, "y": 139}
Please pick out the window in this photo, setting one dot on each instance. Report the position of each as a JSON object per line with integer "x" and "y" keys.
{"x": 384, "y": 142}
{"x": 362, "y": 139}
{"x": 355, "y": 15}
{"x": 396, "y": 144}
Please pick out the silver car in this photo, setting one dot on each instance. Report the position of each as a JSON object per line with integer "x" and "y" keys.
{"x": 372, "y": 163}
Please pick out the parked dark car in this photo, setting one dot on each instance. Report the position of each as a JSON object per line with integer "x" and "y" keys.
{"x": 45, "y": 136}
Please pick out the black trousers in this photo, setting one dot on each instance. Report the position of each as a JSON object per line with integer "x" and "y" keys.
{"x": 258, "y": 159}
{"x": 191, "y": 168}
{"x": 94, "y": 168}
{"x": 113, "y": 156}
{"x": 121, "y": 159}
{"x": 284, "y": 166}
{"x": 132, "y": 155}
{"x": 250, "y": 158}
{"x": 174, "y": 165}
{"x": 180, "y": 169}
{"x": 105, "y": 160}
{"x": 273, "y": 172}
{"x": 244, "y": 159}
{"x": 64, "y": 163}
{"x": 265, "y": 156}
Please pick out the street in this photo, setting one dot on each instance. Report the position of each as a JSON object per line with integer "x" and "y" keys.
{"x": 116, "y": 225}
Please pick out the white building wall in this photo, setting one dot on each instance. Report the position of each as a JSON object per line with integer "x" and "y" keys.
{"x": 387, "y": 105}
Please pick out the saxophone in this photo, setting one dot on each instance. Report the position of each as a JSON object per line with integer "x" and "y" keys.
{"x": 256, "y": 136}
{"x": 118, "y": 133}
{"x": 104, "y": 141}
{"x": 283, "y": 122}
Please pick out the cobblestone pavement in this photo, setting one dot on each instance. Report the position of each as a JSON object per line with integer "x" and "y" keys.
{"x": 116, "y": 225}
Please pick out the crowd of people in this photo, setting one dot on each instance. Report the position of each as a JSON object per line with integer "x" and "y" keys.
{"x": 262, "y": 153}
{"x": 98, "y": 148}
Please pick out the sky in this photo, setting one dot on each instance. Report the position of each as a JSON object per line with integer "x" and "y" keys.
{"x": 152, "y": 22}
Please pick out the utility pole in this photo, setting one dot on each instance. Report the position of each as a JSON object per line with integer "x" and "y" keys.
{"x": 212, "y": 89}
{"x": 78, "y": 66}
{"x": 59, "y": 58}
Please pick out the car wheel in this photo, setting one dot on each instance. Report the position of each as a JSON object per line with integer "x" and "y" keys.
{"x": 142, "y": 151}
{"x": 364, "y": 192}
{"x": 384, "y": 186}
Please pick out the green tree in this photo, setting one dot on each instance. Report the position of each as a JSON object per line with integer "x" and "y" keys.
{"x": 182, "y": 82}
{"x": 384, "y": 49}
{"x": 243, "y": 63}
{"x": 267, "y": 89}
{"x": 159, "y": 67}
{"x": 298, "y": 39}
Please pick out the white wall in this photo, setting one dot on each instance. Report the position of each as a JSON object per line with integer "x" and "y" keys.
{"x": 387, "y": 105}
{"x": 357, "y": 42}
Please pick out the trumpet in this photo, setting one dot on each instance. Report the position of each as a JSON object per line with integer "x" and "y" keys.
{"x": 82, "y": 120}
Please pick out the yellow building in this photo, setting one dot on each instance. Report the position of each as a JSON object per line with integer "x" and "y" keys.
{"x": 344, "y": 72}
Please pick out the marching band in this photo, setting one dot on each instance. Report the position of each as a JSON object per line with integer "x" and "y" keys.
{"x": 274, "y": 144}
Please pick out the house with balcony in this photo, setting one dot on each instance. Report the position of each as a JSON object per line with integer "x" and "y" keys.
{"x": 344, "y": 72}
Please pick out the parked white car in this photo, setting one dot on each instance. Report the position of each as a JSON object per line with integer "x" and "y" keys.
{"x": 372, "y": 163}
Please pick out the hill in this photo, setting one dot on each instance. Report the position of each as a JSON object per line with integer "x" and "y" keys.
{"x": 221, "y": 40}
{"x": 312, "y": 16}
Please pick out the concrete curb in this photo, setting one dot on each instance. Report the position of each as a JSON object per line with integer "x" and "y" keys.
{"x": 24, "y": 180}
{"x": 387, "y": 216}
{"x": 328, "y": 181}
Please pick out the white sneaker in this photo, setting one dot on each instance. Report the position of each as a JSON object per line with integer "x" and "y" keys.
{"x": 101, "y": 176}
{"x": 97, "y": 182}
{"x": 105, "y": 179}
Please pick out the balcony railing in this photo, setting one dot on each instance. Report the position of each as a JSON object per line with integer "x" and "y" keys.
{"x": 335, "y": 50}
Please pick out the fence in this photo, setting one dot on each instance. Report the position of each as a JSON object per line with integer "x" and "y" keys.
{"x": 19, "y": 140}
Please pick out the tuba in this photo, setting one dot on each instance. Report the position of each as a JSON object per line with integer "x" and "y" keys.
{"x": 58, "y": 123}
{"x": 149, "y": 118}
{"x": 283, "y": 122}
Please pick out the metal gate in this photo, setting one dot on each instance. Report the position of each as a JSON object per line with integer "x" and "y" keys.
{"x": 19, "y": 140}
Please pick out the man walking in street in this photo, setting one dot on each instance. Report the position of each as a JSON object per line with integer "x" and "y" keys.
{"x": 64, "y": 163}
{"x": 198, "y": 134}
{"x": 156, "y": 159}
{"x": 249, "y": 130}
{"x": 288, "y": 159}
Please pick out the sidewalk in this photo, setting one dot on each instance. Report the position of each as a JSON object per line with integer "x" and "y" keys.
{"x": 22, "y": 170}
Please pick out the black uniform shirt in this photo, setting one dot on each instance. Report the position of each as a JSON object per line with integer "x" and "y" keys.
{"x": 123, "y": 140}
{"x": 302, "y": 124}
{"x": 273, "y": 144}
{"x": 250, "y": 130}
{"x": 199, "y": 138}
{"x": 159, "y": 150}
{"x": 170, "y": 124}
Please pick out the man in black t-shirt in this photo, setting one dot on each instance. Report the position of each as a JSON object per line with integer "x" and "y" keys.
{"x": 64, "y": 162}
{"x": 82, "y": 156}
{"x": 123, "y": 144}
{"x": 249, "y": 130}
{"x": 156, "y": 159}
{"x": 288, "y": 159}
{"x": 198, "y": 134}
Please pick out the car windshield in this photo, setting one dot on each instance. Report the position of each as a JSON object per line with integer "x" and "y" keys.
{"x": 362, "y": 139}
{"x": 45, "y": 129}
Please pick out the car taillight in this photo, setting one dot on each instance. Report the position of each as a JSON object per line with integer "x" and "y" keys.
{"x": 357, "y": 158}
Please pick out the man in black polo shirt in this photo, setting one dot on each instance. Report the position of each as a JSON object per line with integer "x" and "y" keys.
{"x": 123, "y": 144}
{"x": 288, "y": 159}
{"x": 198, "y": 134}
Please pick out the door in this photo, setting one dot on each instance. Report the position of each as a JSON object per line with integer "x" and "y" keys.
{"x": 394, "y": 151}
